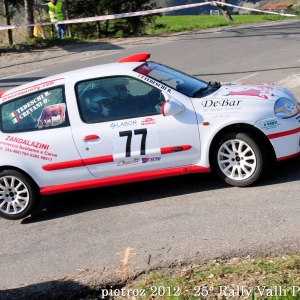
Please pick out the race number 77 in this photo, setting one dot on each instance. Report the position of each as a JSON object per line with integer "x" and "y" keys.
{"x": 128, "y": 133}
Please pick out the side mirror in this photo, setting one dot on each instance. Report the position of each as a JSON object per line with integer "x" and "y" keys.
{"x": 170, "y": 108}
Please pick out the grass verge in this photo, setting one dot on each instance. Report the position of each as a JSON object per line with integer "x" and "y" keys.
{"x": 266, "y": 277}
{"x": 166, "y": 24}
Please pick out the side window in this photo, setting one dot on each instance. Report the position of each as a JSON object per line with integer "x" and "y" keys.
{"x": 115, "y": 98}
{"x": 41, "y": 110}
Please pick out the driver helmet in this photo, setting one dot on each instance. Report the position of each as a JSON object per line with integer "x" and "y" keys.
{"x": 97, "y": 101}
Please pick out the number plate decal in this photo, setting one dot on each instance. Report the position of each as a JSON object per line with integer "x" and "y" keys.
{"x": 132, "y": 142}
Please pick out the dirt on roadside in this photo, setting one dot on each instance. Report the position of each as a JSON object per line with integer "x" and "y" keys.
{"x": 39, "y": 44}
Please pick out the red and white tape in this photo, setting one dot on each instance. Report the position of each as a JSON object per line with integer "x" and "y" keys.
{"x": 136, "y": 13}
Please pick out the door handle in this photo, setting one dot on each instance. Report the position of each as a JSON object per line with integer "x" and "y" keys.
{"x": 91, "y": 137}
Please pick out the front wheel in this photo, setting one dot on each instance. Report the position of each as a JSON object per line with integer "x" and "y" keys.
{"x": 239, "y": 159}
{"x": 19, "y": 195}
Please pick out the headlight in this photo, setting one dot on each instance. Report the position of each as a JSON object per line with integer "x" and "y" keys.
{"x": 285, "y": 108}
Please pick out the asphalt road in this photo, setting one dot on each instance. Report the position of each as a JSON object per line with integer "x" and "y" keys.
{"x": 119, "y": 231}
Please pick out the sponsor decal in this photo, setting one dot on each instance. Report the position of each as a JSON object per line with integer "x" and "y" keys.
{"x": 25, "y": 110}
{"x": 13, "y": 114}
{"x": 128, "y": 162}
{"x": 175, "y": 149}
{"x": 27, "y": 148}
{"x": 148, "y": 121}
{"x": 150, "y": 159}
{"x": 155, "y": 83}
{"x": 222, "y": 103}
{"x": 29, "y": 143}
{"x": 52, "y": 115}
{"x": 270, "y": 124}
{"x": 15, "y": 120}
{"x": 123, "y": 124}
{"x": 261, "y": 93}
{"x": 146, "y": 69}
{"x": 25, "y": 91}
{"x": 222, "y": 115}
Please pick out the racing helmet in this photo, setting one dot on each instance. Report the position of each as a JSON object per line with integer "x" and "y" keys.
{"x": 97, "y": 101}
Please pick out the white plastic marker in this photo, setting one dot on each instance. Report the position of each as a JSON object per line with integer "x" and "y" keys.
{"x": 136, "y": 13}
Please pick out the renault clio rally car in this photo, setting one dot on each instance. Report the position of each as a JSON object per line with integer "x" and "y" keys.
{"x": 136, "y": 120}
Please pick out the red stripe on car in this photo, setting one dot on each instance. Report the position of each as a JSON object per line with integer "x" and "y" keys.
{"x": 122, "y": 179}
{"x": 98, "y": 160}
{"x": 64, "y": 165}
{"x": 78, "y": 163}
{"x": 284, "y": 133}
{"x": 288, "y": 156}
{"x": 104, "y": 159}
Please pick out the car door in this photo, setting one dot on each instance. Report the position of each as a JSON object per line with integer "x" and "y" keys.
{"x": 135, "y": 136}
{"x": 37, "y": 137}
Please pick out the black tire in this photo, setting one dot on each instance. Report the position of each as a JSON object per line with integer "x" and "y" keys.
{"x": 239, "y": 158}
{"x": 19, "y": 195}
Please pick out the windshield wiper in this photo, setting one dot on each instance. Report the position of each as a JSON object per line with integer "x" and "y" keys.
{"x": 201, "y": 90}
{"x": 212, "y": 84}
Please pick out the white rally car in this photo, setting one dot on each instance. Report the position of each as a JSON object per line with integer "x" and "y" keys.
{"x": 136, "y": 120}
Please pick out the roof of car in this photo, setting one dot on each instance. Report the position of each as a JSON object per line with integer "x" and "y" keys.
{"x": 101, "y": 68}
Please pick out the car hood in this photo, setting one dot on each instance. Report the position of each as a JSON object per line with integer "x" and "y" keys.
{"x": 237, "y": 90}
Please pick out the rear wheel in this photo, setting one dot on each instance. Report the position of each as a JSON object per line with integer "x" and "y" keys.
{"x": 19, "y": 195}
{"x": 239, "y": 159}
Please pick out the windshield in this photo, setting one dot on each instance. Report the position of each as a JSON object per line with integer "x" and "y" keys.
{"x": 177, "y": 80}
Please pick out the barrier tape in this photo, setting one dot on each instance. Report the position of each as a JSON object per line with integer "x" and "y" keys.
{"x": 137, "y": 13}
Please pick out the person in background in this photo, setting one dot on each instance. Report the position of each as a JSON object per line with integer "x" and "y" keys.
{"x": 57, "y": 13}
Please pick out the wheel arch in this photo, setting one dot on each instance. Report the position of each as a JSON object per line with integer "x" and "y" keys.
{"x": 8, "y": 167}
{"x": 247, "y": 128}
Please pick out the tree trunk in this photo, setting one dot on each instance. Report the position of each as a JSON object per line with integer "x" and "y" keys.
{"x": 7, "y": 16}
{"x": 98, "y": 26}
{"x": 52, "y": 31}
{"x": 106, "y": 28}
{"x": 29, "y": 19}
{"x": 224, "y": 10}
